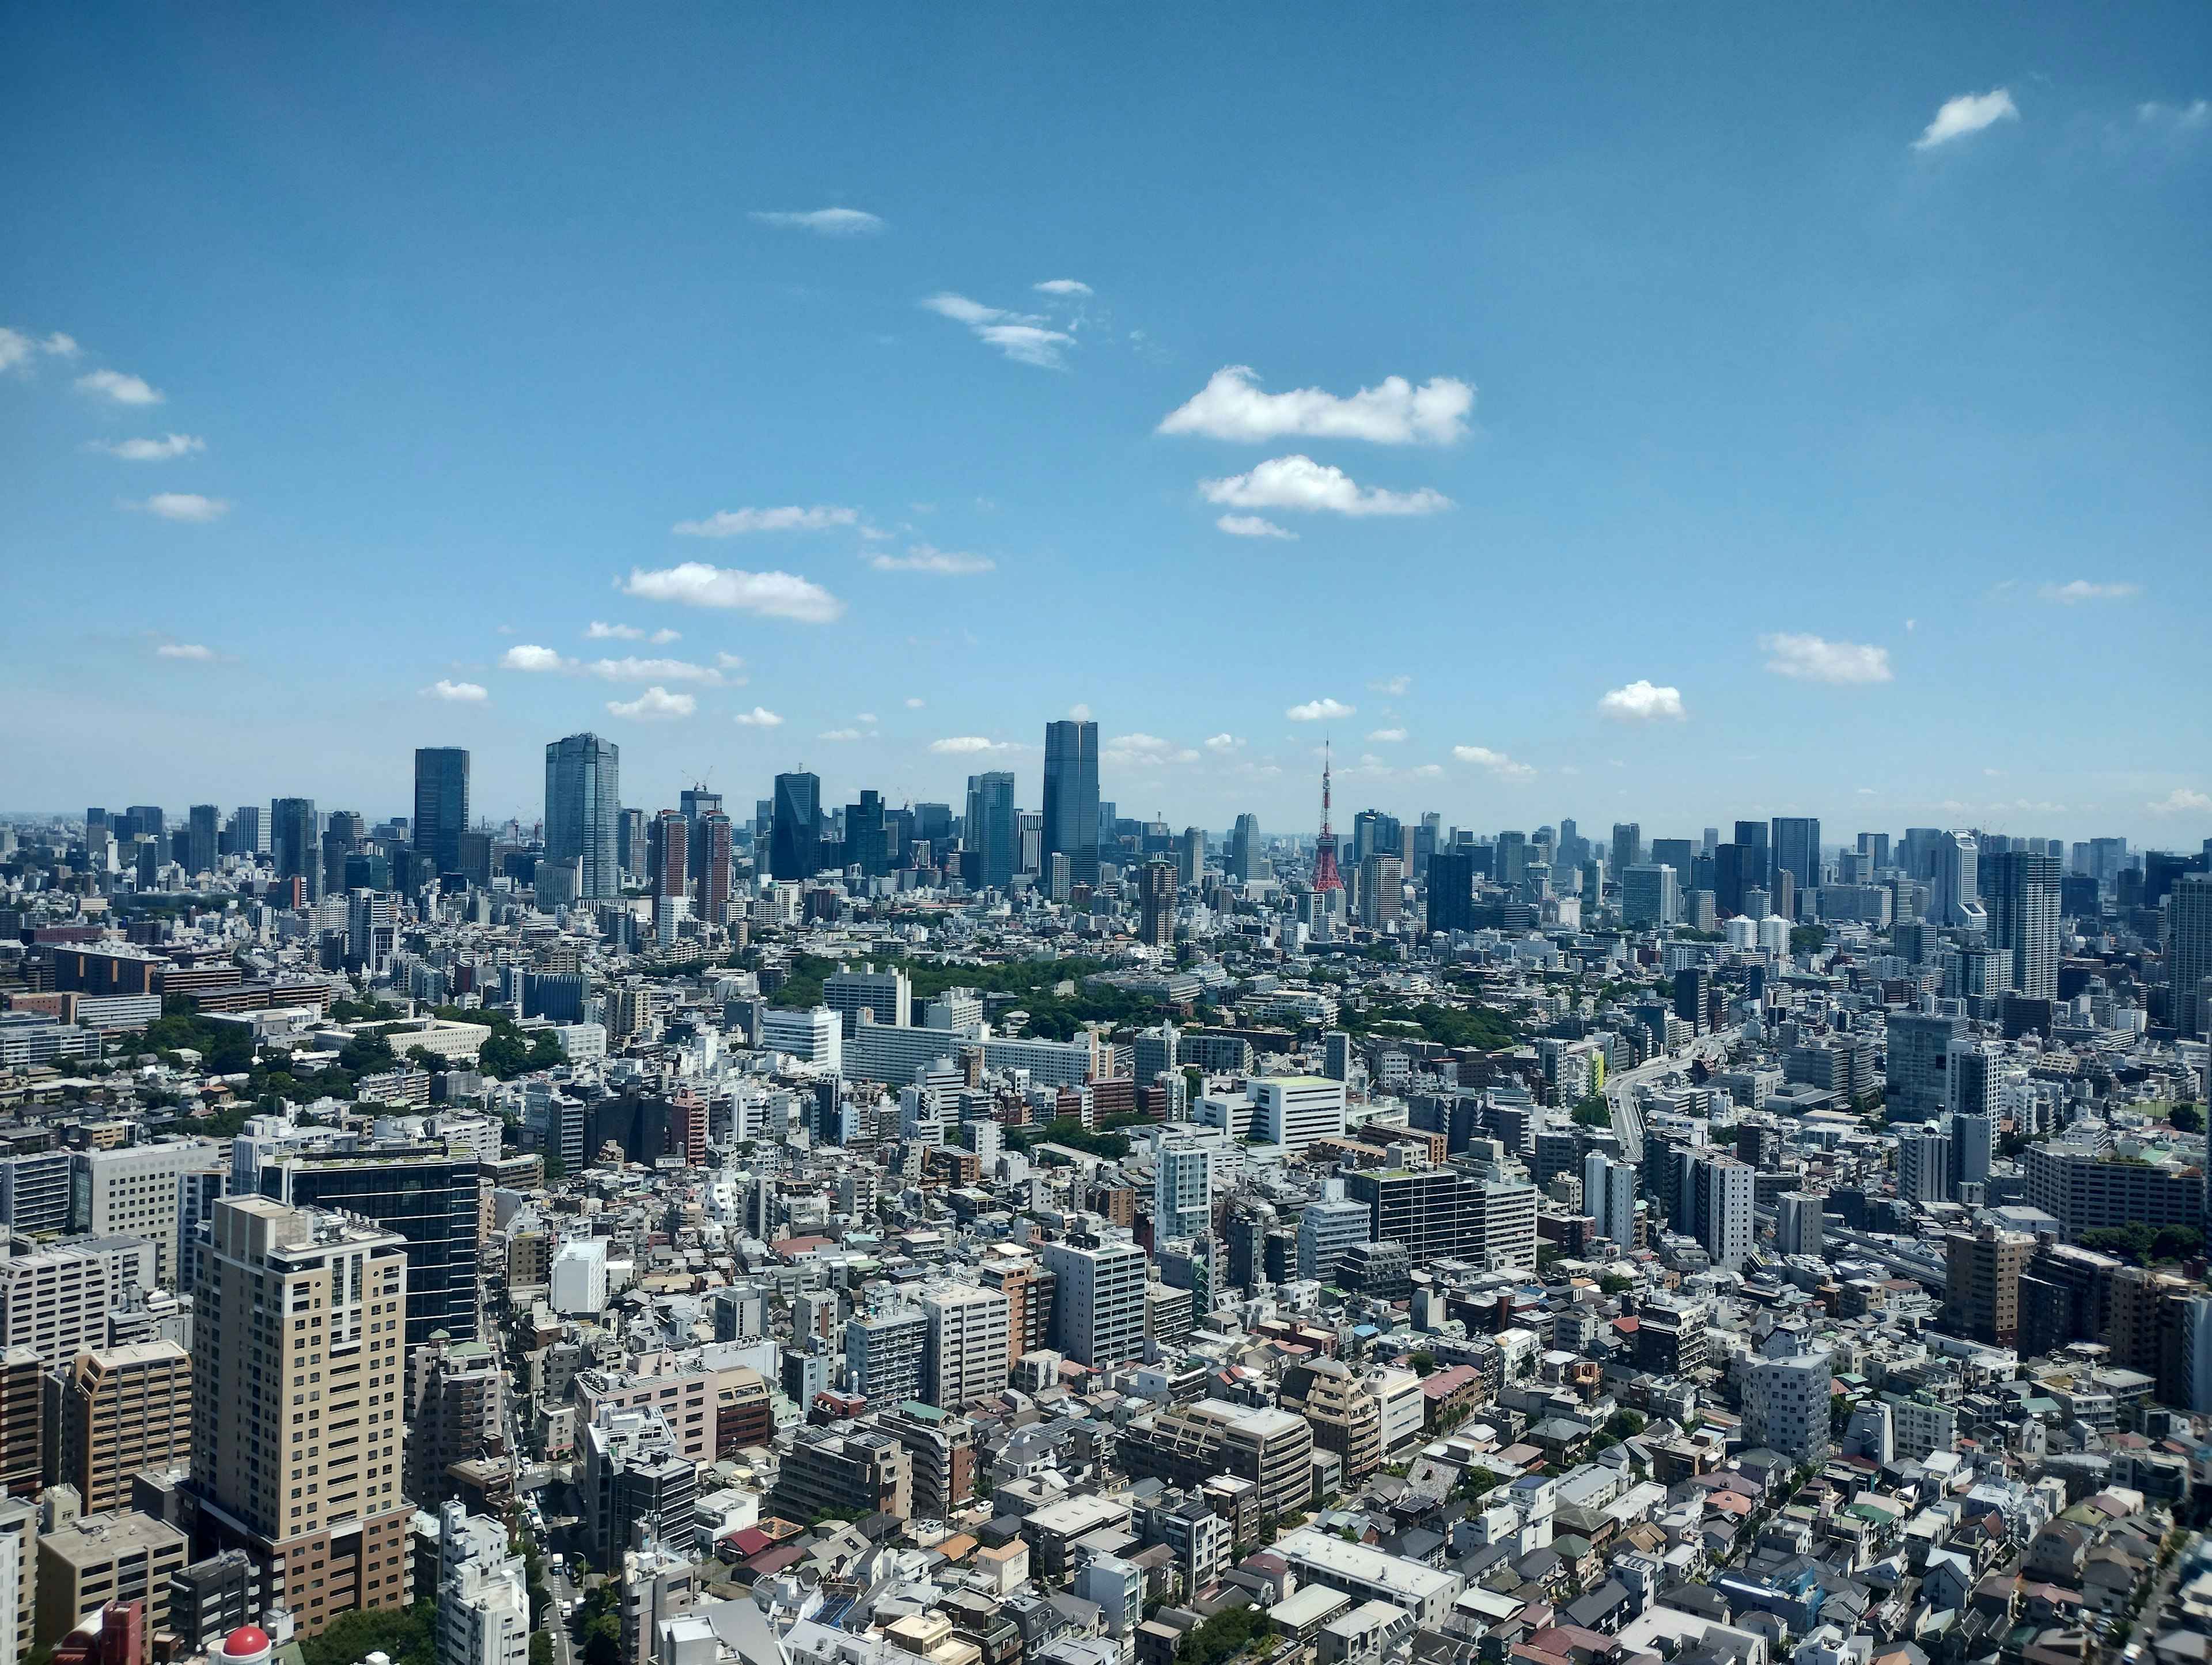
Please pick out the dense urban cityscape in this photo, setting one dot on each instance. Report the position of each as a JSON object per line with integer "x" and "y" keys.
{"x": 824, "y": 1234}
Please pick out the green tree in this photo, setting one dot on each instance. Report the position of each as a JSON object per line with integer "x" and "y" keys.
{"x": 503, "y": 1056}
{"x": 541, "y": 1648}
{"x": 1807, "y": 938}
{"x": 1223, "y": 1636}
{"x": 2187, "y": 1118}
{"x": 409, "y": 1635}
{"x": 1594, "y": 1112}
{"x": 1423, "y": 1363}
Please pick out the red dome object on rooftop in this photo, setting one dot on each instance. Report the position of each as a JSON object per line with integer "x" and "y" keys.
{"x": 247, "y": 1642}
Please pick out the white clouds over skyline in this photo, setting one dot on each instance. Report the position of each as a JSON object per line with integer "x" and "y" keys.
{"x": 925, "y": 558}
{"x": 759, "y": 717}
{"x": 1230, "y": 406}
{"x": 824, "y": 221}
{"x": 19, "y": 350}
{"x": 2182, "y": 801}
{"x": 1300, "y": 482}
{"x": 1254, "y": 525}
{"x": 1501, "y": 767}
{"x": 2081, "y": 590}
{"x": 770, "y": 594}
{"x": 537, "y": 659}
{"x": 1642, "y": 702}
{"x": 735, "y": 523}
{"x": 1811, "y": 658}
{"x": 655, "y": 705}
{"x": 184, "y": 506}
{"x": 121, "y": 388}
{"x": 1970, "y": 112}
{"x": 1062, "y": 286}
{"x": 459, "y": 693}
{"x": 151, "y": 451}
{"x": 1323, "y": 710}
{"x": 185, "y": 650}
{"x": 1022, "y": 337}
{"x": 961, "y": 745}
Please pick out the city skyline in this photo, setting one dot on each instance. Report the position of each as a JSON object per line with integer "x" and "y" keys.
{"x": 1709, "y": 443}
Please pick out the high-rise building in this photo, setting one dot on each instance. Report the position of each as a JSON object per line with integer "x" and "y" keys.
{"x": 1182, "y": 1183}
{"x": 1627, "y": 846}
{"x": 1786, "y": 1395}
{"x": 713, "y": 852}
{"x": 669, "y": 858}
{"x": 34, "y": 1193}
{"x": 991, "y": 830}
{"x": 483, "y": 1602}
{"x": 1071, "y": 797}
{"x": 427, "y": 1197}
{"x": 1714, "y": 1195}
{"x": 297, "y": 1315}
{"x": 2022, "y": 900}
{"x": 1915, "y": 1060}
{"x": 795, "y": 849}
{"x": 965, "y": 1356}
{"x": 1382, "y": 891}
{"x": 1797, "y": 1222}
{"x": 2188, "y": 944}
{"x": 456, "y": 1413}
{"x": 1609, "y": 1198}
{"x": 1101, "y": 1298}
{"x": 441, "y": 807}
{"x": 634, "y": 1477}
{"x": 1246, "y": 859}
{"x": 203, "y": 830}
{"x": 583, "y": 812}
{"x": 295, "y": 843}
{"x": 249, "y": 830}
{"x": 1954, "y": 884}
{"x": 1924, "y": 1164}
{"x": 1156, "y": 895}
{"x": 1451, "y": 890}
{"x": 1981, "y": 1296}
{"x": 1650, "y": 894}
{"x": 132, "y": 1191}
{"x": 1795, "y": 850}
{"x": 884, "y": 1354}
{"x": 123, "y": 1409}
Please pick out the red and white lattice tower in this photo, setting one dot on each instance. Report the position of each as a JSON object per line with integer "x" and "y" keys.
{"x": 1325, "y": 875}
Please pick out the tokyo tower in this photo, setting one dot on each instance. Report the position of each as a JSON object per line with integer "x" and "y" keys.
{"x": 1325, "y": 875}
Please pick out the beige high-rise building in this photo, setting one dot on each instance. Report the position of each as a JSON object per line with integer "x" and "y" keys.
{"x": 297, "y": 1343}
{"x": 19, "y": 1578}
{"x": 123, "y": 1409}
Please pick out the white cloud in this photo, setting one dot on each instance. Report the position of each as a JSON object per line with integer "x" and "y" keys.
{"x": 655, "y": 705}
{"x": 1323, "y": 710}
{"x": 122, "y": 389}
{"x": 1023, "y": 337}
{"x": 461, "y": 693}
{"x": 1300, "y": 483}
{"x": 1388, "y": 736}
{"x": 2081, "y": 590}
{"x": 772, "y": 594}
{"x": 1641, "y": 702}
{"x": 916, "y": 703}
{"x": 759, "y": 717}
{"x": 18, "y": 349}
{"x": 2179, "y": 117}
{"x": 1079, "y": 713}
{"x": 1232, "y": 407}
{"x": 1810, "y": 659}
{"x": 532, "y": 657}
{"x": 959, "y": 744}
{"x": 1062, "y": 286}
{"x": 1969, "y": 112}
{"x": 151, "y": 451}
{"x": 924, "y": 558}
{"x": 184, "y": 506}
{"x": 599, "y": 632}
{"x": 185, "y": 650}
{"x": 736, "y": 522}
{"x": 826, "y": 222}
{"x": 843, "y": 734}
{"x": 1140, "y": 750}
{"x": 2182, "y": 801}
{"x": 863, "y": 716}
{"x": 1254, "y": 525}
{"x": 1223, "y": 745}
{"x": 1500, "y": 766}
{"x": 528, "y": 656}
{"x": 1394, "y": 685}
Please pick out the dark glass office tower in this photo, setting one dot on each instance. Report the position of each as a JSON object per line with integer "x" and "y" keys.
{"x": 992, "y": 832}
{"x": 583, "y": 812}
{"x": 1795, "y": 850}
{"x": 296, "y": 843}
{"x": 794, "y": 847}
{"x": 1071, "y": 797}
{"x": 1750, "y": 836}
{"x": 1451, "y": 890}
{"x": 865, "y": 848}
{"x": 427, "y": 1196}
{"x": 441, "y": 805}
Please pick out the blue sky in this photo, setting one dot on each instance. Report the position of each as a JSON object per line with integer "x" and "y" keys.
{"x": 1845, "y": 375}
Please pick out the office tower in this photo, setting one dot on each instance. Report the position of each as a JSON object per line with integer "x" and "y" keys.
{"x": 2188, "y": 949}
{"x": 1713, "y": 1196}
{"x": 864, "y": 836}
{"x": 1795, "y": 850}
{"x": 131, "y": 1191}
{"x": 1183, "y": 1186}
{"x": 145, "y": 821}
{"x": 1954, "y": 882}
{"x": 1156, "y": 895}
{"x": 483, "y": 1602}
{"x": 887, "y": 996}
{"x": 344, "y": 832}
{"x": 1924, "y": 1164}
{"x": 991, "y": 828}
{"x": 669, "y": 844}
{"x": 711, "y": 843}
{"x": 1382, "y": 891}
{"x": 1973, "y": 1138}
{"x": 884, "y": 1354}
{"x": 1451, "y": 890}
{"x": 1071, "y": 797}
{"x": 1797, "y": 1222}
{"x": 441, "y": 808}
{"x": 1329, "y": 1227}
{"x": 34, "y": 1193}
{"x": 56, "y": 1302}
{"x": 1101, "y": 1318}
{"x": 1675, "y": 852}
{"x": 1190, "y": 856}
{"x": 203, "y": 832}
{"x": 248, "y": 836}
{"x": 1982, "y": 1273}
{"x": 1693, "y": 989}
{"x": 2022, "y": 903}
{"x": 23, "y": 1446}
{"x": 634, "y": 1479}
{"x": 456, "y": 1413}
{"x": 295, "y": 843}
{"x": 421, "y": 1194}
{"x": 795, "y": 836}
{"x": 1510, "y": 858}
{"x": 267, "y": 1268}
{"x": 696, "y": 803}
{"x": 631, "y": 847}
{"x": 1628, "y": 844}
{"x": 1609, "y": 1198}
{"x": 123, "y": 1409}
{"x": 583, "y": 812}
{"x": 1915, "y": 1056}
{"x": 965, "y": 1356}
{"x": 1245, "y": 861}
{"x": 1650, "y": 895}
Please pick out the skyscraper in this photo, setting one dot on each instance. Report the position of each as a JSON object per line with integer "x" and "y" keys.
{"x": 1796, "y": 850}
{"x": 2189, "y": 951}
{"x": 794, "y": 847}
{"x": 249, "y": 833}
{"x": 1954, "y": 884}
{"x": 670, "y": 859}
{"x": 1451, "y": 890}
{"x": 295, "y": 843}
{"x": 441, "y": 807}
{"x": 1071, "y": 797}
{"x": 712, "y": 840}
{"x": 1246, "y": 863}
{"x": 1628, "y": 844}
{"x": 865, "y": 846}
{"x": 583, "y": 812}
{"x": 2023, "y": 912}
{"x": 1757, "y": 872}
{"x": 422, "y": 1194}
{"x": 1156, "y": 896}
{"x": 204, "y": 829}
{"x": 991, "y": 830}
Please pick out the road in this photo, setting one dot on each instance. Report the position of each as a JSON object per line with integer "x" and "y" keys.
{"x": 1621, "y": 1090}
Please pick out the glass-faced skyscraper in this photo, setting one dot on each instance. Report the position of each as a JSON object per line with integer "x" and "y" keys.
{"x": 1071, "y": 797}
{"x": 794, "y": 846}
{"x": 583, "y": 812}
{"x": 2022, "y": 900}
{"x": 992, "y": 833}
{"x": 441, "y": 805}
{"x": 1794, "y": 848}
{"x": 295, "y": 842}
